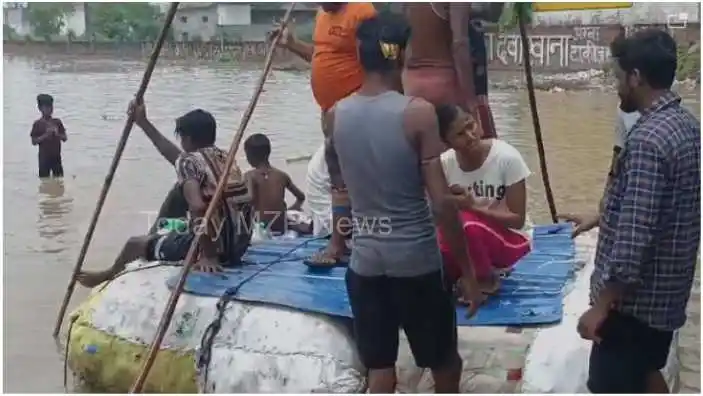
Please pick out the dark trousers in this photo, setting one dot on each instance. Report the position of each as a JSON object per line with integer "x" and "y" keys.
{"x": 50, "y": 166}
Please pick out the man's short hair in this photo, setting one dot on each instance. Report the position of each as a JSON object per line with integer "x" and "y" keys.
{"x": 386, "y": 29}
{"x": 652, "y": 52}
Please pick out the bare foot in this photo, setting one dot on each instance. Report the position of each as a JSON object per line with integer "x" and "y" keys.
{"x": 329, "y": 257}
{"x": 489, "y": 286}
{"x": 208, "y": 265}
{"x": 91, "y": 279}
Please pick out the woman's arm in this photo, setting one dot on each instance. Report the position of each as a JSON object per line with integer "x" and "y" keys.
{"x": 512, "y": 210}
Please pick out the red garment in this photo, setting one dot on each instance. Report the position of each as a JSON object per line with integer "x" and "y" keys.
{"x": 491, "y": 246}
{"x": 485, "y": 116}
{"x": 439, "y": 85}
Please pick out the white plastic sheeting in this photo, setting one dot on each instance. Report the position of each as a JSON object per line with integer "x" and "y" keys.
{"x": 258, "y": 349}
{"x": 277, "y": 350}
{"x": 557, "y": 361}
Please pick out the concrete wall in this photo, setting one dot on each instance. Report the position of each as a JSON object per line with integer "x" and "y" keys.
{"x": 639, "y": 13}
{"x": 233, "y": 14}
{"x": 553, "y": 49}
{"x": 566, "y": 48}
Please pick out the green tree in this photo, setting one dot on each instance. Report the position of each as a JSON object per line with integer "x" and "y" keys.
{"x": 47, "y": 19}
{"x": 124, "y": 21}
{"x": 8, "y": 32}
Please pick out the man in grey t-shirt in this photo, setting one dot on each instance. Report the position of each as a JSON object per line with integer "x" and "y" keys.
{"x": 383, "y": 155}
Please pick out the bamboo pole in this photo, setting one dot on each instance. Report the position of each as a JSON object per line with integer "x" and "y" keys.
{"x": 190, "y": 257}
{"x": 522, "y": 16}
{"x": 113, "y": 168}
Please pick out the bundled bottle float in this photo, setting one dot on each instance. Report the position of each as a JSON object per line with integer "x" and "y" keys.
{"x": 288, "y": 328}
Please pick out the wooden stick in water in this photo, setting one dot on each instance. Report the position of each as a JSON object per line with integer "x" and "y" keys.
{"x": 533, "y": 108}
{"x": 190, "y": 257}
{"x": 113, "y": 167}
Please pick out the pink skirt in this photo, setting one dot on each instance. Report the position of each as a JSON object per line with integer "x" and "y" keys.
{"x": 492, "y": 247}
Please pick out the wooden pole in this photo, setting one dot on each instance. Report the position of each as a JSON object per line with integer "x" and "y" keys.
{"x": 522, "y": 16}
{"x": 190, "y": 257}
{"x": 113, "y": 168}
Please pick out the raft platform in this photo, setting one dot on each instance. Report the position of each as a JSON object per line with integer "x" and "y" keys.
{"x": 531, "y": 295}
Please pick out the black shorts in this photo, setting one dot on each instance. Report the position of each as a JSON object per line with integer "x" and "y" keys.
{"x": 629, "y": 351}
{"x": 169, "y": 247}
{"x": 420, "y": 305}
{"x": 50, "y": 166}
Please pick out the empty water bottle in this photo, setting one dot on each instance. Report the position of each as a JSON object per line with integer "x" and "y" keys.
{"x": 172, "y": 225}
{"x": 260, "y": 233}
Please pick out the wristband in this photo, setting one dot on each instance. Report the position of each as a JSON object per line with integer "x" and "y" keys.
{"x": 342, "y": 210}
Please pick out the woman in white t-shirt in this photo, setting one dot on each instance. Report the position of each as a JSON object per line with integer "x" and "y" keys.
{"x": 488, "y": 180}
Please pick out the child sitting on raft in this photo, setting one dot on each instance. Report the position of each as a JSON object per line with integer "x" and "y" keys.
{"x": 487, "y": 179}
{"x": 269, "y": 186}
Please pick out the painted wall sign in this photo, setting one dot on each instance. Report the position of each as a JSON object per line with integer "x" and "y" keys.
{"x": 546, "y": 7}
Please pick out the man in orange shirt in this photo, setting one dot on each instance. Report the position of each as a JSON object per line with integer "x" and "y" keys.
{"x": 336, "y": 74}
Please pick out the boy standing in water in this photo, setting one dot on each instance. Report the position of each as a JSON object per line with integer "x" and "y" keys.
{"x": 48, "y": 133}
{"x": 269, "y": 185}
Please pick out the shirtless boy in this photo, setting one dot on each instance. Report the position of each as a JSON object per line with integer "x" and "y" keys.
{"x": 49, "y": 134}
{"x": 269, "y": 186}
{"x": 439, "y": 66}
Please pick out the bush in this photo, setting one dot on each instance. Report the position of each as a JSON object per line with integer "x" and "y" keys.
{"x": 8, "y": 32}
{"x": 689, "y": 62}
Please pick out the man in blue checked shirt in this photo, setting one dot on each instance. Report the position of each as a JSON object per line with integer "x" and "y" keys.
{"x": 649, "y": 226}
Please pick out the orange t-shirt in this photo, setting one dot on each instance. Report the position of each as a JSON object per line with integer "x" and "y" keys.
{"x": 336, "y": 72}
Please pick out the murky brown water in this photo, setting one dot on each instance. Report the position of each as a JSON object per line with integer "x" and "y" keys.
{"x": 45, "y": 222}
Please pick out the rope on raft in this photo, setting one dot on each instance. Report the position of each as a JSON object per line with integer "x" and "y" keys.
{"x": 113, "y": 167}
{"x": 208, "y": 338}
{"x": 522, "y": 17}
{"x": 190, "y": 257}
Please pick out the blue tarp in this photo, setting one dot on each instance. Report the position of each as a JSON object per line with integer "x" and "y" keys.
{"x": 531, "y": 295}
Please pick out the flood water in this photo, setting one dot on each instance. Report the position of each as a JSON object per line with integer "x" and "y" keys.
{"x": 45, "y": 221}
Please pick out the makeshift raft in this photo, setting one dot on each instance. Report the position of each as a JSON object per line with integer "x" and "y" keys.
{"x": 287, "y": 330}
